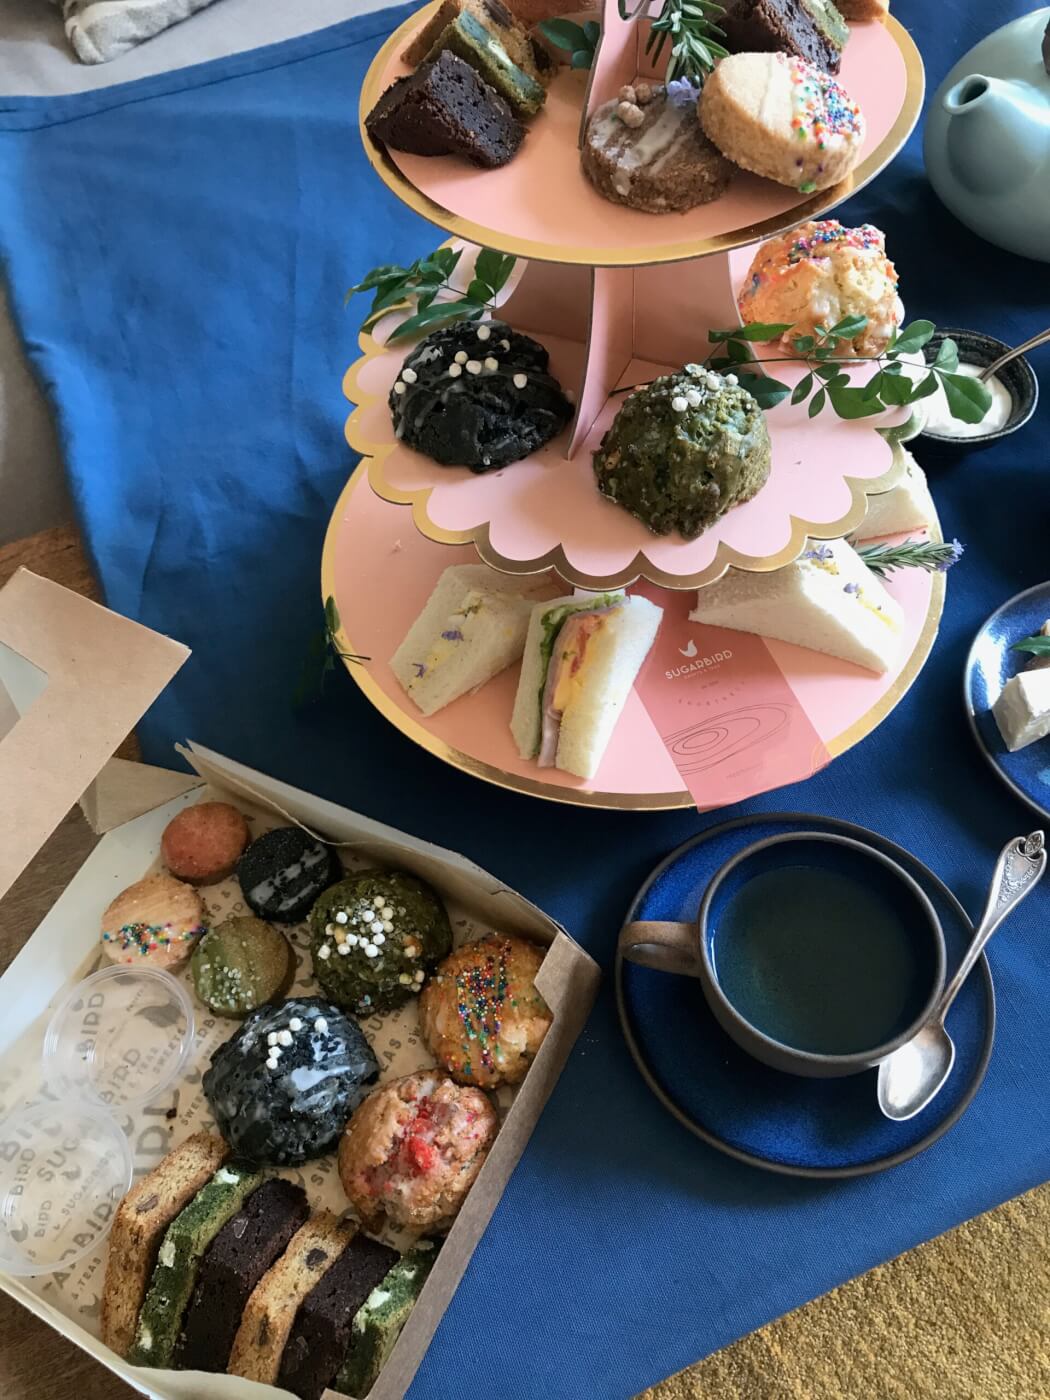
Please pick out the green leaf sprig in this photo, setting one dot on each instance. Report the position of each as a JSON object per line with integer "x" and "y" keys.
{"x": 882, "y": 559}
{"x": 692, "y": 29}
{"x": 826, "y": 380}
{"x": 1038, "y": 645}
{"x": 580, "y": 41}
{"x": 321, "y": 653}
{"x": 417, "y": 288}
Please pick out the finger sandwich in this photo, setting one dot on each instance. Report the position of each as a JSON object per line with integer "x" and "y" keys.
{"x": 828, "y": 600}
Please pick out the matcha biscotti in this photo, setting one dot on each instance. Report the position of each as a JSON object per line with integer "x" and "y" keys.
{"x": 378, "y": 1323}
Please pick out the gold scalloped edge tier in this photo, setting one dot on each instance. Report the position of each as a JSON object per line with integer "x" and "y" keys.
{"x": 816, "y": 208}
{"x": 374, "y": 455}
{"x": 412, "y": 729}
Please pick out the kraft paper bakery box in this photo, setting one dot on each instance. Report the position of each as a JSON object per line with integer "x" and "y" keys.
{"x": 63, "y": 709}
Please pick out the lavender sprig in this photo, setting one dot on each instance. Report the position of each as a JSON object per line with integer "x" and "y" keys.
{"x": 881, "y": 559}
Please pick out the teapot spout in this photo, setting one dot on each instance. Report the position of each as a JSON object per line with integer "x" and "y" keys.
{"x": 996, "y": 139}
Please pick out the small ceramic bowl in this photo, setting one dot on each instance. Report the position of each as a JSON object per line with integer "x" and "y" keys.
{"x": 914, "y": 981}
{"x": 1019, "y": 378}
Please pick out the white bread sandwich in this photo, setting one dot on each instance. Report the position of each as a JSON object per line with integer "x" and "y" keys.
{"x": 906, "y": 506}
{"x": 828, "y": 600}
{"x": 581, "y": 659}
{"x": 472, "y": 627}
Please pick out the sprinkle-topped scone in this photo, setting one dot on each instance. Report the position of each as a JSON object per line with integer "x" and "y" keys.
{"x": 816, "y": 274}
{"x": 374, "y": 938}
{"x": 646, "y": 149}
{"x": 283, "y": 1086}
{"x": 480, "y": 1013}
{"x": 478, "y": 396}
{"x": 240, "y": 964}
{"x": 156, "y": 922}
{"x": 412, "y": 1150}
{"x": 780, "y": 117}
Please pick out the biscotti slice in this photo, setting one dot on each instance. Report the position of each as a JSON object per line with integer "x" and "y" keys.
{"x": 320, "y": 1337}
{"x": 496, "y": 18}
{"x": 378, "y": 1323}
{"x": 473, "y": 43}
{"x": 178, "y": 1260}
{"x": 446, "y": 109}
{"x": 270, "y": 1312}
{"x": 236, "y": 1260}
{"x": 140, "y": 1221}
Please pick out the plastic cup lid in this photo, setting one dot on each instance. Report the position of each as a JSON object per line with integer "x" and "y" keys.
{"x": 64, "y": 1167}
{"x": 119, "y": 1037}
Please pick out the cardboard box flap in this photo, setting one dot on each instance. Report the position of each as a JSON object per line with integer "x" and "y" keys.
{"x": 75, "y": 679}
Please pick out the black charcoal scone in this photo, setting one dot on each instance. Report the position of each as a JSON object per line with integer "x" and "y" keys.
{"x": 478, "y": 396}
{"x": 283, "y": 871}
{"x": 284, "y": 1086}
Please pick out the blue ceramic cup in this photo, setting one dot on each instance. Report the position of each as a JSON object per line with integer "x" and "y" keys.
{"x": 817, "y": 954}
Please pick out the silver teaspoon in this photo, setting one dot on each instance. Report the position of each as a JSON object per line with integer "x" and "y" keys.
{"x": 997, "y": 365}
{"x": 915, "y": 1073}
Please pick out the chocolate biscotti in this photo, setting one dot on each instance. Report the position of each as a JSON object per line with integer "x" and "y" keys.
{"x": 378, "y": 1323}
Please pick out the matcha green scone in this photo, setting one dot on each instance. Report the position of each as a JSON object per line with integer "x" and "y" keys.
{"x": 240, "y": 964}
{"x": 378, "y": 1322}
{"x": 684, "y": 450}
{"x": 472, "y": 42}
{"x": 179, "y": 1258}
{"x": 374, "y": 937}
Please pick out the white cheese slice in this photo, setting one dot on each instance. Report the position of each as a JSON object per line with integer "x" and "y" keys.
{"x": 1022, "y": 710}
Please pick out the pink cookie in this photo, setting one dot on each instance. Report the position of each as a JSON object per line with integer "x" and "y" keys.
{"x": 204, "y": 843}
{"x": 156, "y": 921}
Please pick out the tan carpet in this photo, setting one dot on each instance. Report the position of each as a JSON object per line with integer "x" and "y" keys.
{"x": 963, "y": 1317}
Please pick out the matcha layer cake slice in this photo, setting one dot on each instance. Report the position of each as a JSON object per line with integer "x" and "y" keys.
{"x": 495, "y": 17}
{"x": 378, "y": 1323}
{"x": 178, "y": 1260}
{"x": 473, "y": 43}
{"x": 319, "y": 1339}
{"x": 141, "y": 1219}
{"x": 236, "y": 1260}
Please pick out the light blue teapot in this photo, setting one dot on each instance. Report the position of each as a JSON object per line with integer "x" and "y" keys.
{"x": 987, "y": 144}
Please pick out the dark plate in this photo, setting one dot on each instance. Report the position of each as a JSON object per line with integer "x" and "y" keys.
{"x": 989, "y": 666}
{"x": 780, "y": 1122}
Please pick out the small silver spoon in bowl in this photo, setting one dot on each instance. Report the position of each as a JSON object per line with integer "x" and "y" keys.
{"x": 997, "y": 365}
{"x": 916, "y": 1072}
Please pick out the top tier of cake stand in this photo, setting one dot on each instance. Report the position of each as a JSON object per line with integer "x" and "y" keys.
{"x": 542, "y": 206}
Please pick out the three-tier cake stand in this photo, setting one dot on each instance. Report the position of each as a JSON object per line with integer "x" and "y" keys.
{"x": 617, "y": 297}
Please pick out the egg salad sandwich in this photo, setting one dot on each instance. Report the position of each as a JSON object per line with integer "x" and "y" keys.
{"x": 472, "y": 627}
{"x": 907, "y": 505}
{"x": 828, "y": 599}
{"x": 582, "y": 655}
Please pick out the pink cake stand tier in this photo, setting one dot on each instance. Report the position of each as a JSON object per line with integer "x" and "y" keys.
{"x": 380, "y": 572}
{"x": 511, "y": 209}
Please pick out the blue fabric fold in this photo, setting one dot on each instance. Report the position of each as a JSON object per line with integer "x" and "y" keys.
{"x": 177, "y": 251}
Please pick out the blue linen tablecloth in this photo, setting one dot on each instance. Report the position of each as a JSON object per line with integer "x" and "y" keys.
{"x": 178, "y": 250}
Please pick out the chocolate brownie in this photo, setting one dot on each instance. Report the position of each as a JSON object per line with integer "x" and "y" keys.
{"x": 238, "y": 1257}
{"x": 809, "y": 29}
{"x": 446, "y": 109}
{"x": 283, "y": 871}
{"x": 477, "y": 395}
{"x": 318, "y": 1343}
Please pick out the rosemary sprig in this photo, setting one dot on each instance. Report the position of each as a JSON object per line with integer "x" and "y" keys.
{"x": 321, "y": 653}
{"x": 881, "y": 559}
{"x": 691, "y": 26}
{"x": 416, "y": 289}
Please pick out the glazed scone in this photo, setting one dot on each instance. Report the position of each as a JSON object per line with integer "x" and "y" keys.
{"x": 819, "y": 273}
{"x": 645, "y": 149}
{"x": 907, "y": 505}
{"x": 412, "y": 1150}
{"x": 780, "y": 117}
{"x": 270, "y": 1312}
{"x": 480, "y": 1013}
{"x": 139, "y": 1224}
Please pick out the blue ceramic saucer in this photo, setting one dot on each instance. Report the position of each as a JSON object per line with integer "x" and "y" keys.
{"x": 989, "y": 666}
{"x": 782, "y": 1122}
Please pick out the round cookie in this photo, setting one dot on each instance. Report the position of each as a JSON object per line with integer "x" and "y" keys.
{"x": 782, "y": 118}
{"x": 283, "y": 871}
{"x": 480, "y": 1013}
{"x": 240, "y": 964}
{"x": 284, "y": 1084}
{"x": 202, "y": 844}
{"x": 820, "y": 272}
{"x": 478, "y": 396}
{"x": 412, "y": 1150}
{"x": 374, "y": 936}
{"x": 646, "y": 149}
{"x": 156, "y": 921}
{"x": 684, "y": 450}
